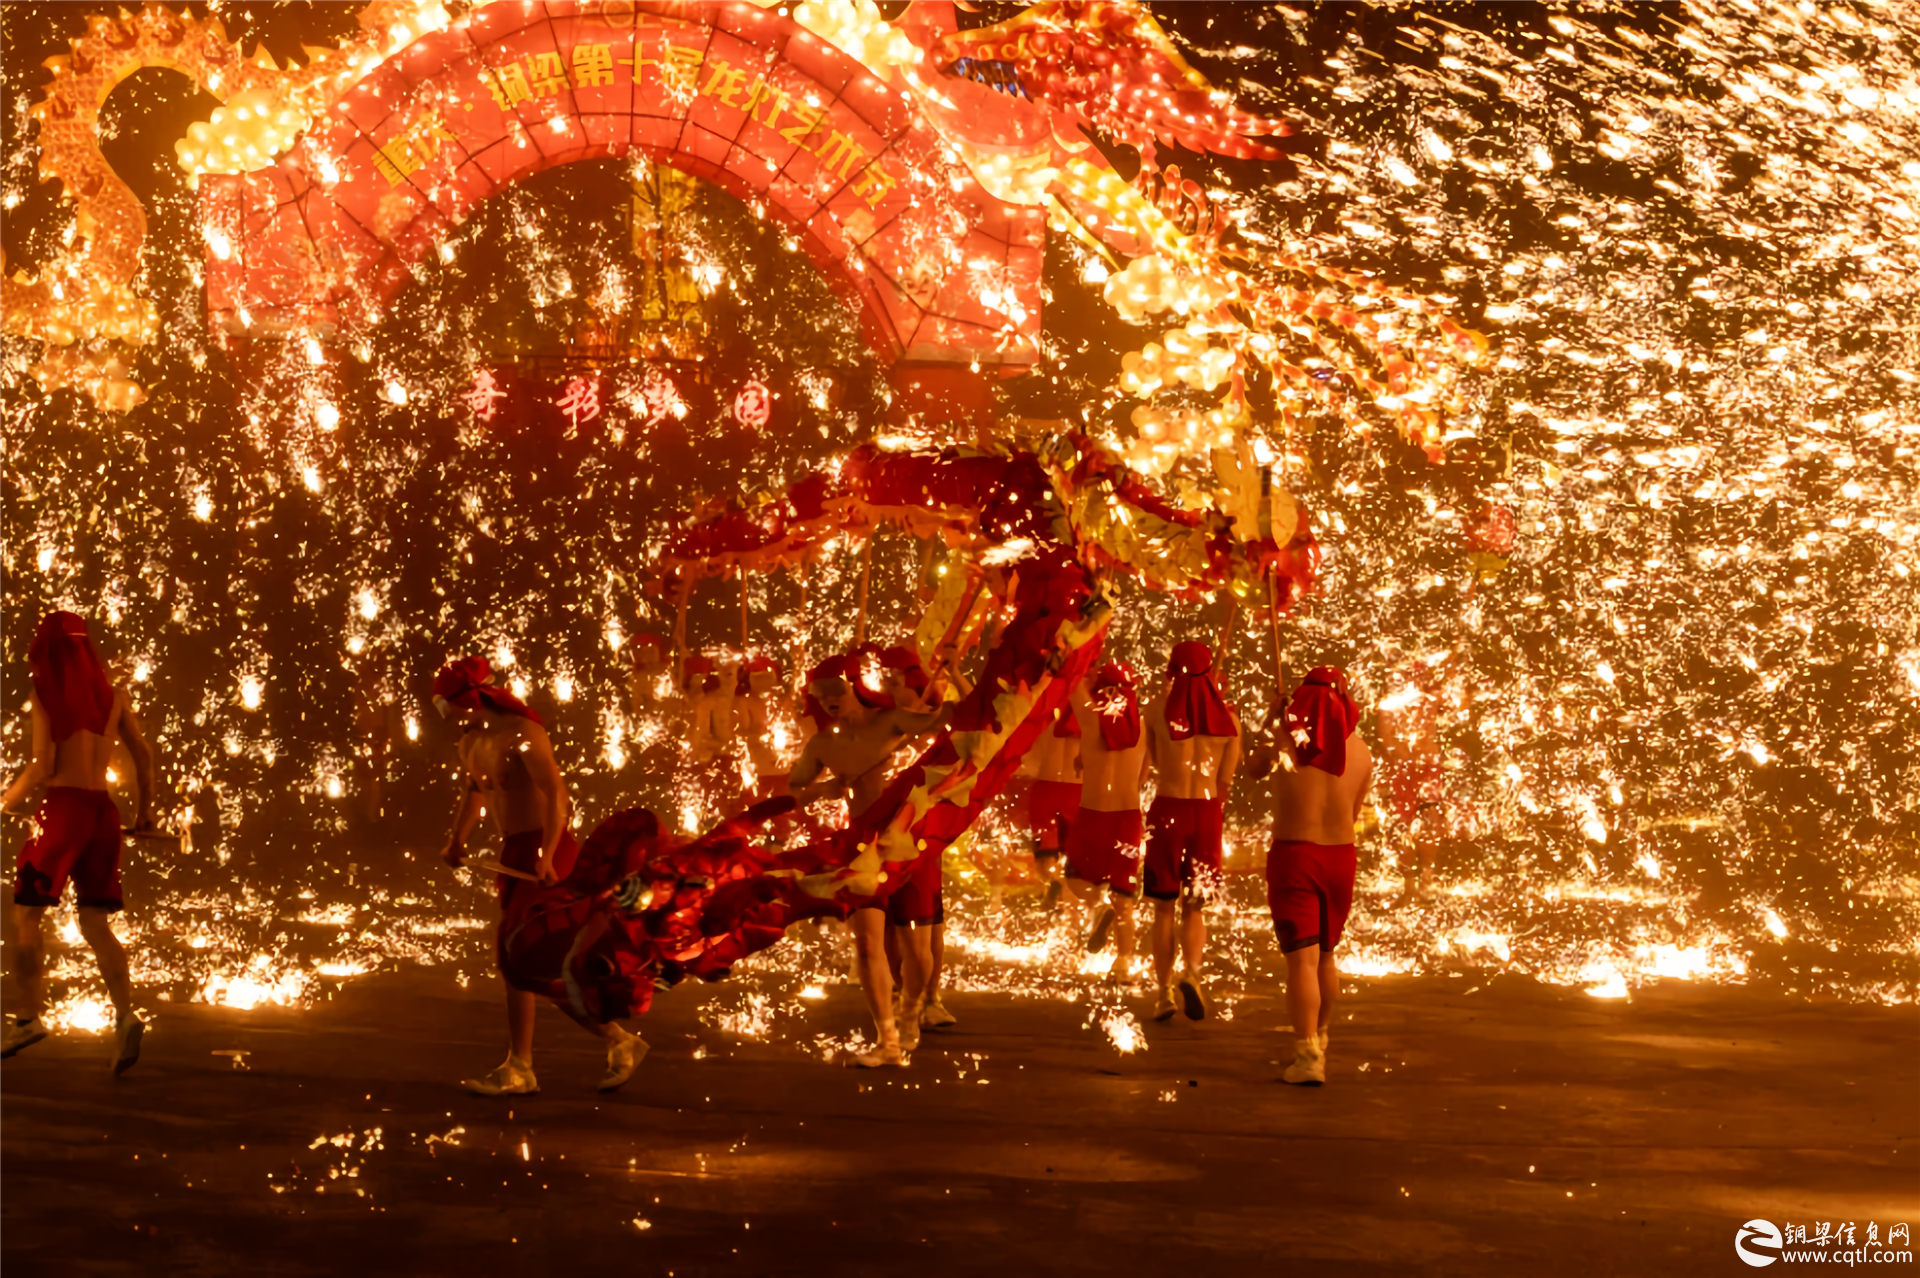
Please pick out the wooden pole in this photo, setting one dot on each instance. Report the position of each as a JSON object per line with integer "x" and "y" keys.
{"x": 959, "y": 621}
{"x": 1273, "y": 614}
{"x": 1224, "y": 646}
{"x": 866, "y": 573}
{"x": 799, "y": 658}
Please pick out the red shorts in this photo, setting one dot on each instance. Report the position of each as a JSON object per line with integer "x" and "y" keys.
{"x": 522, "y": 852}
{"x": 917, "y": 902}
{"x": 1105, "y": 848}
{"x": 76, "y": 835}
{"x": 1310, "y": 892}
{"x": 1051, "y": 806}
{"x": 1183, "y": 847}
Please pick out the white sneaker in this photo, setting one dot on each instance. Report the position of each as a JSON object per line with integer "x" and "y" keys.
{"x": 1192, "y": 1003}
{"x": 624, "y": 1055}
{"x": 909, "y": 1031}
{"x": 20, "y": 1035}
{"x": 1164, "y": 1007}
{"x": 509, "y": 1078}
{"x": 1320, "y": 1039}
{"x": 1309, "y": 1068}
{"x": 885, "y": 1056}
{"x": 126, "y": 1042}
{"x": 936, "y": 1016}
{"x": 1102, "y": 927}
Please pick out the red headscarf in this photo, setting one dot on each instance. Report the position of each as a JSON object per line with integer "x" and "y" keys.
{"x": 1321, "y": 715}
{"x": 468, "y": 682}
{"x": 701, "y": 665}
{"x": 863, "y": 671}
{"x": 901, "y": 657}
{"x": 1194, "y": 704}
{"x": 743, "y": 685}
{"x": 831, "y": 668}
{"x": 1117, "y": 702}
{"x": 69, "y": 682}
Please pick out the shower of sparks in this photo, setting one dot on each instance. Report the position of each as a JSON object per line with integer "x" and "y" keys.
{"x": 1675, "y": 726}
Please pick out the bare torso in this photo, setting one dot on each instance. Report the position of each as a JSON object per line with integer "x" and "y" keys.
{"x": 81, "y": 760}
{"x": 491, "y": 756}
{"x": 1109, "y": 779}
{"x": 1200, "y": 767}
{"x": 857, "y": 753}
{"x": 1312, "y": 806}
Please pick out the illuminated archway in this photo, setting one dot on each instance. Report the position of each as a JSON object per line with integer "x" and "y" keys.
{"x": 938, "y": 269}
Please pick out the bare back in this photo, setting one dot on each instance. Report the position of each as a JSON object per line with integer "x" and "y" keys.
{"x": 857, "y": 753}
{"x": 1200, "y": 767}
{"x": 81, "y": 760}
{"x": 492, "y": 758}
{"x": 1312, "y": 806}
{"x": 1109, "y": 779}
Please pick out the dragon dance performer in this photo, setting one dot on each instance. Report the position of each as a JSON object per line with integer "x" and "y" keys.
{"x": 77, "y": 716}
{"x": 635, "y": 914}
{"x": 904, "y": 679}
{"x": 1325, "y": 771}
{"x": 1104, "y": 850}
{"x": 512, "y": 777}
{"x": 1053, "y": 802}
{"x": 1194, "y": 742}
{"x": 860, "y": 730}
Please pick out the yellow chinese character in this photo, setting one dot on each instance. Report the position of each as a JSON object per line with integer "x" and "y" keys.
{"x": 508, "y": 85}
{"x": 842, "y": 150}
{"x": 727, "y": 80}
{"x": 873, "y": 185}
{"x": 417, "y": 146}
{"x": 548, "y": 74}
{"x": 680, "y": 67}
{"x": 592, "y": 66}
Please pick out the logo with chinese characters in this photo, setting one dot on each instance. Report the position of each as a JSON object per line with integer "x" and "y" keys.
{"x": 1761, "y": 1242}
{"x": 1758, "y": 1242}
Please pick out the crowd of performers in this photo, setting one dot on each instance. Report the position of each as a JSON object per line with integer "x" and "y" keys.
{"x": 891, "y": 761}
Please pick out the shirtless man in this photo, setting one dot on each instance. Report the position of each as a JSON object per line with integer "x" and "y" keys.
{"x": 905, "y": 682}
{"x": 1325, "y": 772}
{"x": 1054, "y": 801}
{"x": 857, "y": 740}
{"x": 1193, "y": 740}
{"x": 1104, "y": 849}
{"x": 512, "y": 777}
{"x": 77, "y": 717}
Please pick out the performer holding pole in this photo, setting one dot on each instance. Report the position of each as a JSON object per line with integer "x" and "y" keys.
{"x": 512, "y": 776}
{"x": 1104, "y": 849}
{"x": 858, "y": 736}
{"x": 1193, "y": 739}
{"x": 1325, "y": 771}
{"x": 77, "y": 716}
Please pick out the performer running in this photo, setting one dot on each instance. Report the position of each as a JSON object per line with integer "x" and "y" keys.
{"x": 512, "y": 777}
{"x": 1325, "y": 772}
{"x": 858, "y": 735}
{"x": 905, "y": 681}
{"x": 1194, "y": 741}
{"x": 1104, "y": 848}
{"x": 77, "y": 716}
{"x": 1054, "y": 801}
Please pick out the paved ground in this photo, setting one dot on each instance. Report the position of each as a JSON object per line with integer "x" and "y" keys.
{"x": 1515, "y": 1129}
